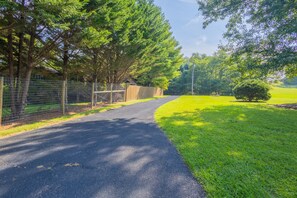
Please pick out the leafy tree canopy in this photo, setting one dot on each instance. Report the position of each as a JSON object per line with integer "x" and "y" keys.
{"x": 92, "y": 40}
{"x": 262, "y": 32}
{"x": 212, "y": 75}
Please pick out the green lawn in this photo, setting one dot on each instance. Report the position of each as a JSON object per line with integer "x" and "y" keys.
{"x": 236, "y": 149}
{"x": 30, "y": 109}
{"x": 34, "y": 108}
{"x": 283, "y": 95}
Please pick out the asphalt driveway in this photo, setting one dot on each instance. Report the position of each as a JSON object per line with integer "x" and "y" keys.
{"x": 119, "y": 153}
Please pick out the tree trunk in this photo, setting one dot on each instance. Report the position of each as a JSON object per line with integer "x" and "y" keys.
{"x": 25, "y": 90}
{"x": 65, "y": 57}
{"x": 27, "y": 77}
{"x": 96, "y": 89}
{"x": 77, "y": 90}
{"x": 20, "y": 60}
{"x": 65, "y": 66}
{"x": 11, "y": 66}
{"x": 19, "y": 66}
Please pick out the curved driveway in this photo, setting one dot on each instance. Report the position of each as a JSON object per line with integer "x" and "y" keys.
{"x": 119, "y": 153}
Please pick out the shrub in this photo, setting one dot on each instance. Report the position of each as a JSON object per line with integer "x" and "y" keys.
{"x": 252, "y": 90}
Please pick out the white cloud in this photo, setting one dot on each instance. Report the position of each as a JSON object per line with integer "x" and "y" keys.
{"x": 201, "y": 40}
{"x": 203, "y": 48}
{"x": 206, "y": 48}
{"x": 187, "y": 27}
{"x": 195, "y": 20}
{"x": 201, "y": 45}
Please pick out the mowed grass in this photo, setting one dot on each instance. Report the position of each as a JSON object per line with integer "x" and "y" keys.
{"x": 37, "y": 108}
{"x": 283, "y": 95}
{"x": 31, "y": 109}
{"x": 236, "y": 149}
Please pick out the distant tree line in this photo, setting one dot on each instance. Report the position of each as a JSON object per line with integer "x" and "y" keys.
{"x": 261, "y": 40}
{"x": 290, "y": 82}
{"x": 104, "y": 41}
{"x": 212, "y": 75}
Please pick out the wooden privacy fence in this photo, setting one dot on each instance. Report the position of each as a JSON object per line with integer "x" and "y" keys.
{"x": 138, "y": 92}
{"x": 131, "y": 92}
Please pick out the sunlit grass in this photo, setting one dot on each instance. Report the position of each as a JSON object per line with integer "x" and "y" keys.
{"x": 283, "y": 95}
{"x": 236, "y": 149}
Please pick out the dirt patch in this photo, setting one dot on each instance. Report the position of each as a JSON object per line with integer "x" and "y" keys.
{"x": 287, "y": 106}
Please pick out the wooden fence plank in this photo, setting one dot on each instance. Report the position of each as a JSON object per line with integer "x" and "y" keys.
{"x": 138, "y": 92}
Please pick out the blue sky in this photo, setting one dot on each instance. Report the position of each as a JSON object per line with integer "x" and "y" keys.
{"x": 187, "y": 28}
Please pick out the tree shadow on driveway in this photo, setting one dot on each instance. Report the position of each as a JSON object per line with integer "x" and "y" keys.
{"x": 98, "y": 158}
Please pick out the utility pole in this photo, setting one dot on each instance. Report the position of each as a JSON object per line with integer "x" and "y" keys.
{"x": 193, "y": 79}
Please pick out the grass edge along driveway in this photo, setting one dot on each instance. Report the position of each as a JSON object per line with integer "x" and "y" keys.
{"x": 234, "y": 149}
{"x": 36, "y": 125}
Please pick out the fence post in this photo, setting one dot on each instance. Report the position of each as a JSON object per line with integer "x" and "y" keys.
{"x": 92, "y": 95}
{"x": 110, "y": 101}
{"x": 66, "y": 95}
{"x": 96, "y": 96}
{"x": 1, "y": 97}
{"x": 63, "y": 97}
{"x": 126, "y": 92}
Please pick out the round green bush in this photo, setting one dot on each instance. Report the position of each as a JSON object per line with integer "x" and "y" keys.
{"x": 252, "y": 90}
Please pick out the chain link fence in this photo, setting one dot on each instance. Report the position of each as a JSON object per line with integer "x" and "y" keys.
{"x": 47, "y": 99}
{"x": 43, "y": 97}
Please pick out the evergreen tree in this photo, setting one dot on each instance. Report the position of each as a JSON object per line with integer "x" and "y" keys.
{"x": 30, "y": 30}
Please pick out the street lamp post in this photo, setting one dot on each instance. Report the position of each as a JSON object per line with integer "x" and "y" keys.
{"x": 193, "y": 79}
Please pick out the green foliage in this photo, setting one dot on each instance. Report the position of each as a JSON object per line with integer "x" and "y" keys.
{"x": 212, "y": 75}
{"x": 140, "y": 44}
{"x": 252, "y": 90}
{"x": 108, "y": 40}
{"x": 291, "y": 82}
{"x": 236, "y": 149}
{"x": 91, "y": 40}
{"x": 162, "y": 56}
{"x": 161, "y": 82}
{"x": 261, "y": 32}
{"x": 291, "y": 71}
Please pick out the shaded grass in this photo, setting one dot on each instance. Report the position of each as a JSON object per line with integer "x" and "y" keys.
{"x": 35, "y": 108}
{"x": 30, "y": 109}
{"x": 235, "y": 149}
{"x": 48, "y": 122}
